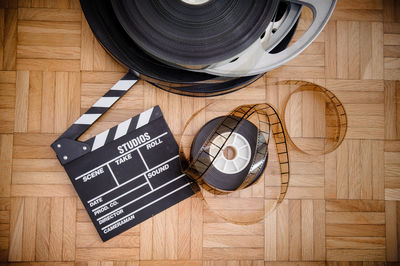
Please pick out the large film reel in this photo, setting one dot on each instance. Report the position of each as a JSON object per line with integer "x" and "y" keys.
{"x": 194, "y": 34}
{"x": 110, "y": 33}
{"x": 258, "y": 59}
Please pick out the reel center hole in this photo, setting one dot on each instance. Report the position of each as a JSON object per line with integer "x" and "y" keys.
{"x": 195, "y": 2}
{"x": 229, "y": 153}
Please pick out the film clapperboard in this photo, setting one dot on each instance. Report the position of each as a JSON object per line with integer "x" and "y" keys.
{"x": 127, "y": 173}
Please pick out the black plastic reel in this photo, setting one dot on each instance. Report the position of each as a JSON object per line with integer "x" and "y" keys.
{"x": 215, "y": 178}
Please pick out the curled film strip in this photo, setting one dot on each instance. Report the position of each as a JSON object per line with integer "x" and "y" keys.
{"x": 240, "y": 196}
{"x": 247, "y": 123}
{"x": 329, "y": 128}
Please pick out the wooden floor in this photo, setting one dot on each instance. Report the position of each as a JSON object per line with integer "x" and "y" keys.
{"x": 340, "y": 207}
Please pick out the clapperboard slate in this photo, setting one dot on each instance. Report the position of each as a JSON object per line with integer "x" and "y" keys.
{"x": 126, "y": 174}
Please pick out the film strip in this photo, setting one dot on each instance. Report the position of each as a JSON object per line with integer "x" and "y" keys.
{"x": 335, "y": 115}
{"x": 219, "y": 183}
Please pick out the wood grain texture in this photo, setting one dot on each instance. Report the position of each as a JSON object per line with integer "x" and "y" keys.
{"x": 341, "y": 208}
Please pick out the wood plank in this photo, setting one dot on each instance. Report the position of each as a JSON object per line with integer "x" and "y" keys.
{"x": 45, "y": 165}
{"x": 171, "y": 263}
{"x": 94, "y": 241}
{"x": 231, "y": 241}
{"x": 392, "y": 194}
{"x": 184, "y": 212}
{"x": 7, "y": 76}
{"x": 48, "y": 52}
{"x": 391, "y": 228}
{"x": 6, "y": 143}
{"x": 355, "y": 218}
{"x": 354, "y": 170}
{"x": 390, "y": 110}
{"x": 53, "y": 39}
{"x": 343, "y": 50}
{"x": 21, "y": 101}
{"x": 358, "y": 15}
{"x": 366, "y": 50}
{"x": 10, "y": 39}
{"x": 295, "y": 263}
{"x": 48, "y": 64}
{"x": 69, "y": 230}
{"x": 32, "y": 152}
{"x": 44, "y": 14}
{"x": 366, "y": 172}
{"x": 146, "y": 239}
{"x": 282, "y": 231}
{"x": 196, "y": 240}
{"x": 43, "y": 229}
{"x": 354, "y": 54}
{"x": 378, "y": 177}
{"x": 50, "y": 4}
{"x": 377, "y": 50}
{"x": 354, "y": 230}
{"x": 87, "y": 254}
{"x": 56, "y": 236}
{"x": 295, "y": 230}
{"x": 356, "y": 242}
{"x": 319, "y": 230}
{"x": 233, "y": 253}
{"x": 307, "y": 225}
{"x": 337, "y": 85}
{"x": 35, "y": 101}
{"x": 159, "y": 236}
{"x": 29, "y": 229}
{"x": 370, "y": 4}
{"x": 330, "y": 175}
{"x": 171, "y": 233}
{"x": 342, "y": 183}
{"x": 355, "y": 206}
{"x": 16, "y": 229}
{"x": 61, "y": 101}
{"x": 74, "y": 87}
{"x": 356, "y": 254}
{"x": 48, "y": 102}
{"x": 87, "y": 43}
{"x": 270, "y": 234}
{"x": 232, "y": 229}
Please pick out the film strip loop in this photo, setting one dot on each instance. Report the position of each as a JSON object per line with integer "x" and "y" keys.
{"x": 336, "y": 131}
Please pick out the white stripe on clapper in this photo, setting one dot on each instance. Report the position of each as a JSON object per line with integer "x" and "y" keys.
{"x": 99, "y": 140}
{"x": 144, "y": 118}
{"x": 105, "y": 101}
{"x": 122, "y": 129}
{"x": 87, "y": 119}
{"x": 123, "y": 85}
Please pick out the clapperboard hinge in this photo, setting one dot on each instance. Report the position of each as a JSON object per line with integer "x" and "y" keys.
{"x": 67, "y": 147}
